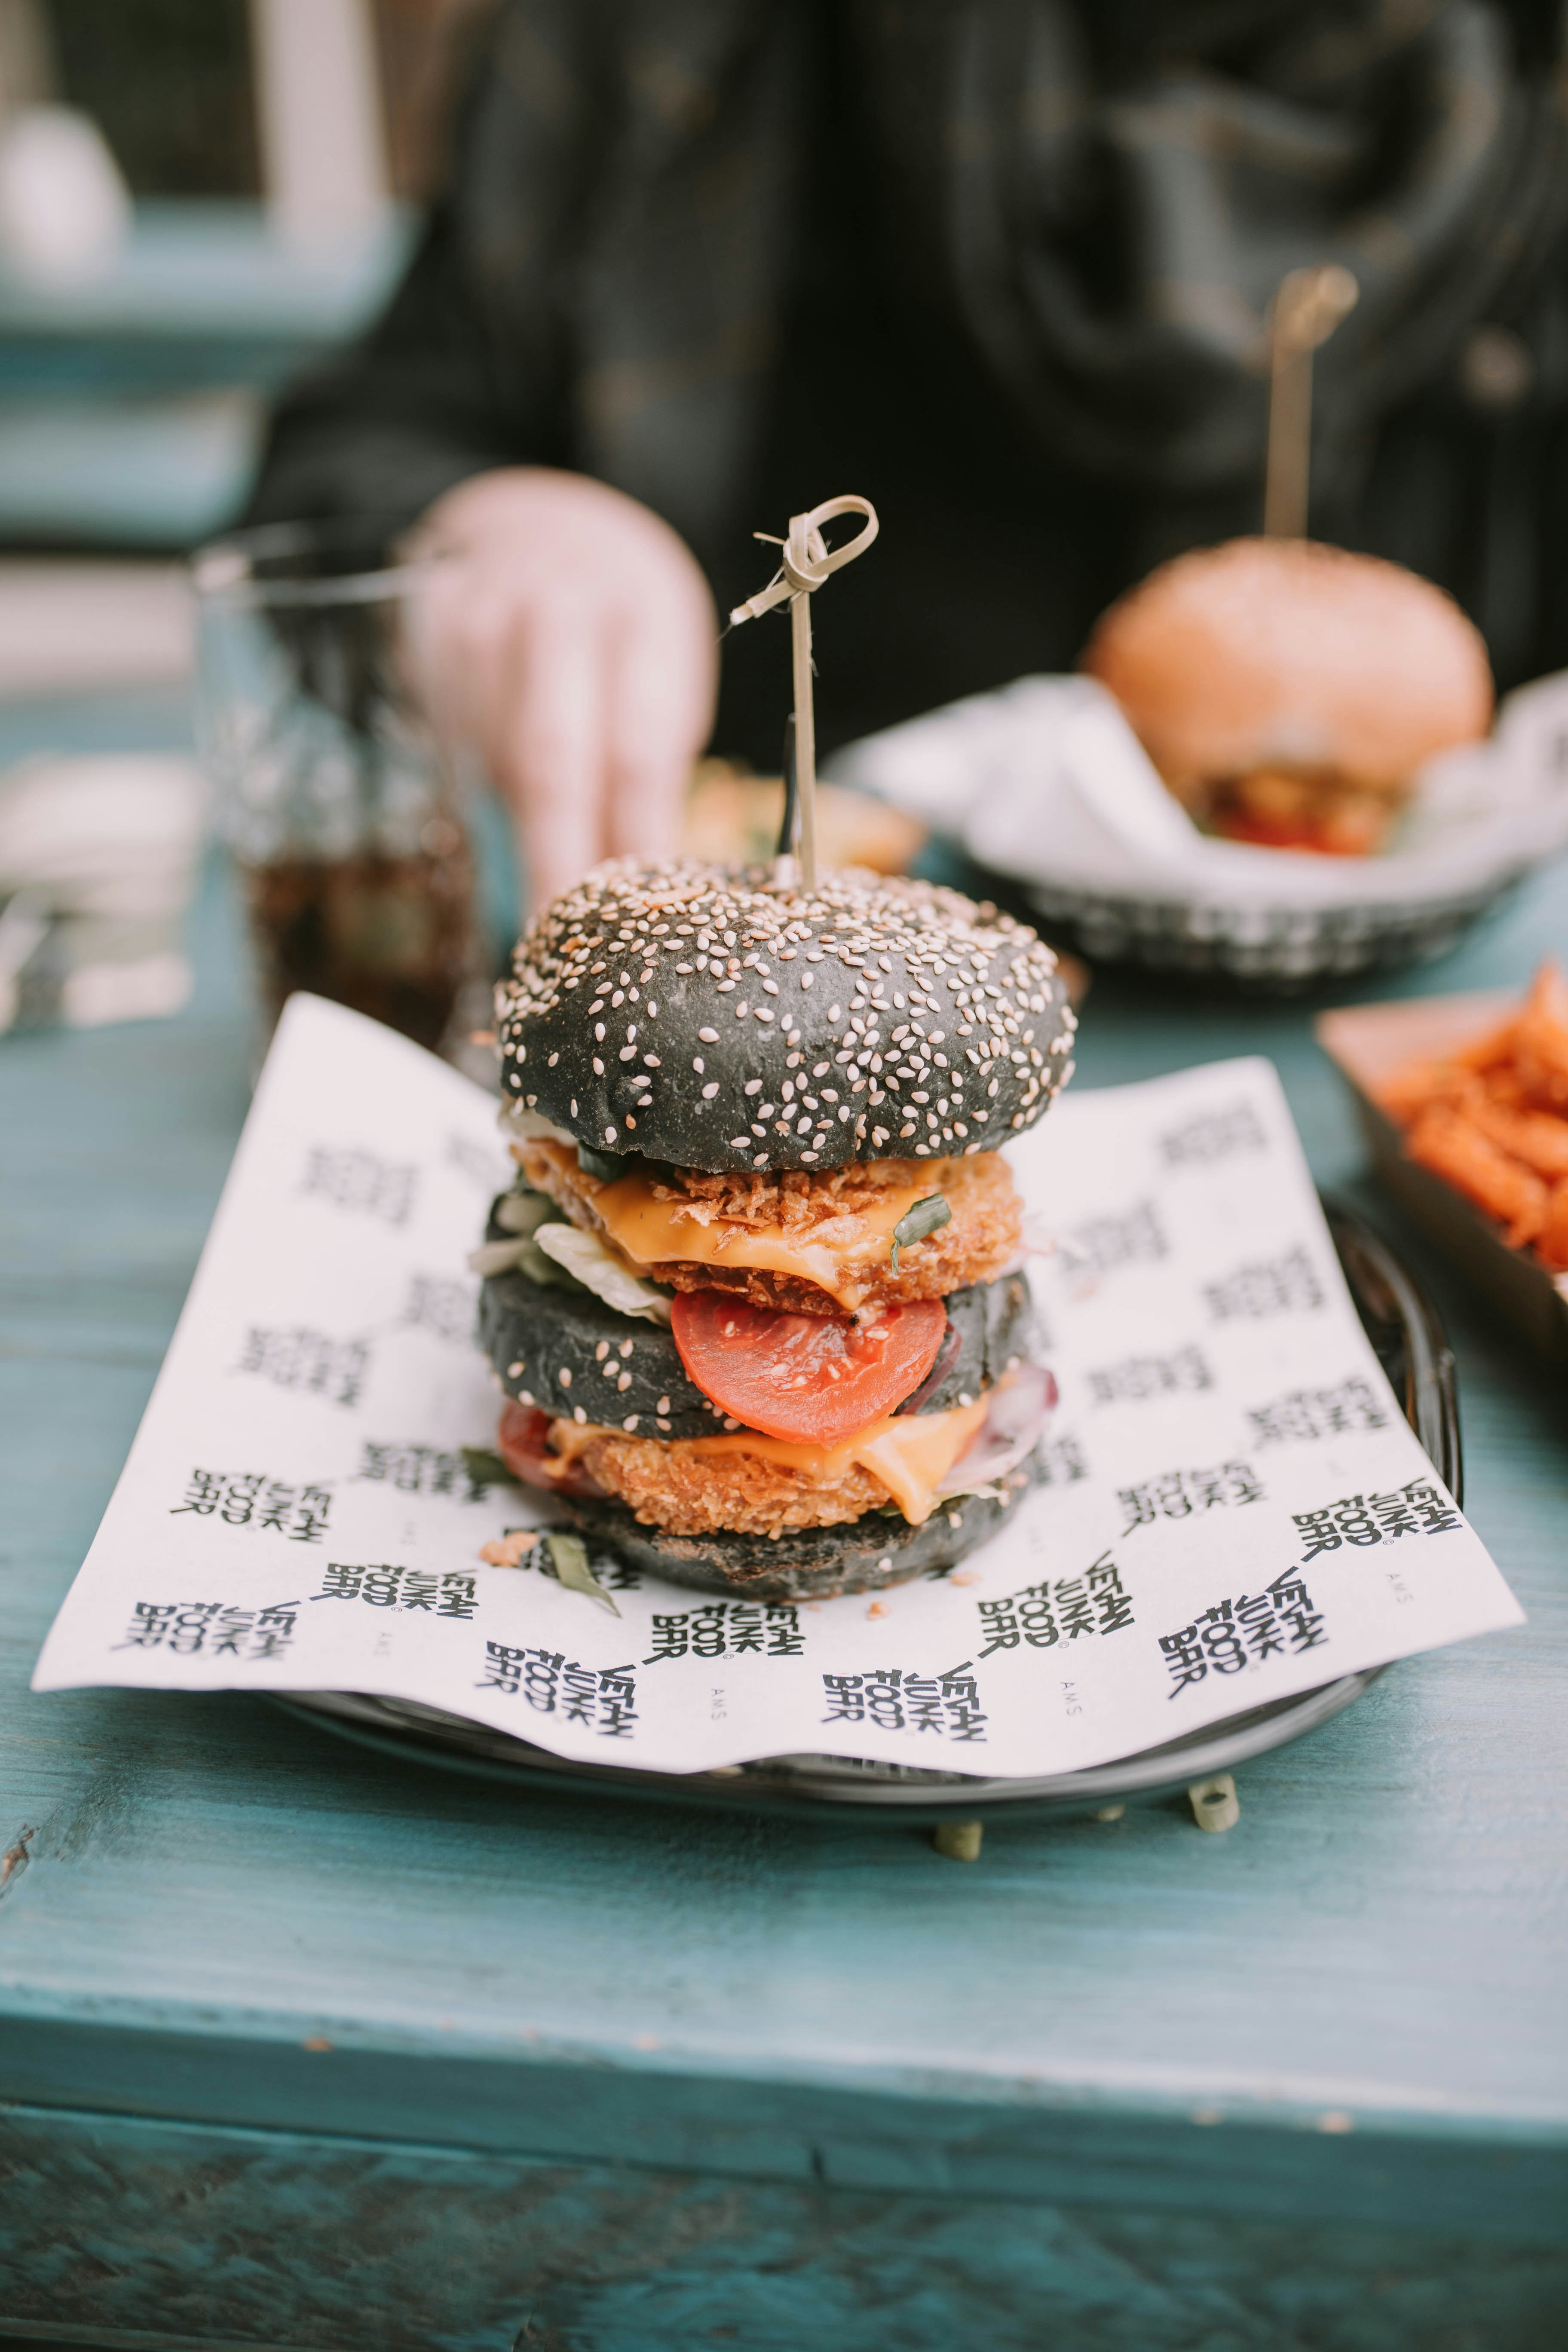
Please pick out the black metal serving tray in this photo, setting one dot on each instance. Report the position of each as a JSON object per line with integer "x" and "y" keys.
{"x": 1404, "y": 1330}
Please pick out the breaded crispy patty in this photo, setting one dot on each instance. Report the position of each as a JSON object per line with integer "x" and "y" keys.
{"x": 686, "y": 1493}
{"x": 827, "y": 1210}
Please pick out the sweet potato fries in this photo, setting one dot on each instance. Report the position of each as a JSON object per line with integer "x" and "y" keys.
{"x": 1491, "y": 1120}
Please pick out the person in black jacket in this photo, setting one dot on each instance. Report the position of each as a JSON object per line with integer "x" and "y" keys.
{"x": 1002, "y": 266}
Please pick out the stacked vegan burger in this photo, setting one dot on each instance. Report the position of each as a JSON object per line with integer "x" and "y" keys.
{"x": 756, "y": 1300}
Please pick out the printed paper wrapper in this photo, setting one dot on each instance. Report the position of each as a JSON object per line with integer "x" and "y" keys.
{"x": 1232, "y": 1510}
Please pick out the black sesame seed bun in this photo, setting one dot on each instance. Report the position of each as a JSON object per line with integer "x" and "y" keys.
{"x": 626, "y": 1373}
{"x": 806, "y": 1563}
{"x": 697, "y": 1014}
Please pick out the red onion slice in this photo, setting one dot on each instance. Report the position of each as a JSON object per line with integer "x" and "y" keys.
{"x": 1009, "y": 1432}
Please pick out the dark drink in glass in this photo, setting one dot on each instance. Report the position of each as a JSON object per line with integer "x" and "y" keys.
{"x": 337, "y": 801}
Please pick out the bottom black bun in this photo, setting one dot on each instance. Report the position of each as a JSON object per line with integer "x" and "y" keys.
{"x": 808, "y": 1563}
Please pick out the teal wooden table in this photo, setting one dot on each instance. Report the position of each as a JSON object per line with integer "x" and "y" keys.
{"x": 301, "y": 2048}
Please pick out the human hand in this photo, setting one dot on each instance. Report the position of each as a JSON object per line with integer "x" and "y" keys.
{"x": 570, "y": 637}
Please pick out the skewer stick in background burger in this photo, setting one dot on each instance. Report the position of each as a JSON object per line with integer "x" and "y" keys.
{"x": 808, "y": 562}
{"x": 1308, "y": 305}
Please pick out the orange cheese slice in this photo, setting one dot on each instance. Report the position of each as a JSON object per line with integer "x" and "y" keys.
{"x": 830, "y": 1252}
{"x": 911, "y": 1454}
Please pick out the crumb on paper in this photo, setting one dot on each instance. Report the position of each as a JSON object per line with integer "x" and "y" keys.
{"x": 508, "y": 1550}
{"x": 964, "y": 1576}
{"x": 878, "y": 1609}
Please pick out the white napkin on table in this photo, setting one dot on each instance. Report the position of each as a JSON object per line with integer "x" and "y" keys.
{"x": 98, "y": 858}
{"x": 1045, "y": 780}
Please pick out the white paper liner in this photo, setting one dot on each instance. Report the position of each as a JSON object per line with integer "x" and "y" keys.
{"x": 1235, "y": 1509}
{"x": 1046, "y": 781}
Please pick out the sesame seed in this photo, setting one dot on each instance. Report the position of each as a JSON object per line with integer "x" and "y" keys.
{"x": 565, "y": 1376}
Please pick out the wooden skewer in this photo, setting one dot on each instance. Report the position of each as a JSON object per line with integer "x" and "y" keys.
{"x": 1308, "y": 305}
{"x": 807, "y": 564}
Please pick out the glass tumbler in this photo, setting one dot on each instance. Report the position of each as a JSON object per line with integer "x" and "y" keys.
{"x": 340, "y": 808}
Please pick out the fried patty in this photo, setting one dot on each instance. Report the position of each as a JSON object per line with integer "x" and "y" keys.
{"x": 667, "y": 1484}
{"x": 981, "y": 1239}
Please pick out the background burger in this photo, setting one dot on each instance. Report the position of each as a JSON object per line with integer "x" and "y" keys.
{"x": 1289, "y": 691}
{"x": 756, "y": 1299}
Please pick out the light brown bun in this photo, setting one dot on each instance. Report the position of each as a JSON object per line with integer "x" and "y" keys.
{"x": 1284, "y": 654}
{"x": 733, "y": 820}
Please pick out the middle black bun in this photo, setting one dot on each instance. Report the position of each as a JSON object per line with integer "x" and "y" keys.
{"x": 699, "y": 1016}
{"x": 620, "y": 1369}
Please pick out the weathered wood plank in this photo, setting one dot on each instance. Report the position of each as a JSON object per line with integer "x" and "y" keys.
{"x": 262, "y": 2239}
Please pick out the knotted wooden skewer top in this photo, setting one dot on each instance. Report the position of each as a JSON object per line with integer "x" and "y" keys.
{"x": 807, "y": 564}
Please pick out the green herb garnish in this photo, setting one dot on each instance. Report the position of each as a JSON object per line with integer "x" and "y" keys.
{"x": 485, "y": 1469}
{"x": 927, "y": 1217}
{"x": 569, "y": 1559}
{"x": 607, "y": 1166}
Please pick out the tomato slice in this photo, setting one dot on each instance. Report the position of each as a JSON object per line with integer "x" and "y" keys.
{"x": 521, "y": 1441}
{"x": 1233, "y": 825}
{"x": 813, "y": 1380}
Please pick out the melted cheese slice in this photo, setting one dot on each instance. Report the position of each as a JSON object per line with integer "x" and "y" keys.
{"x": 830, "y": 1252}
{"x": 911, "y": 1454}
